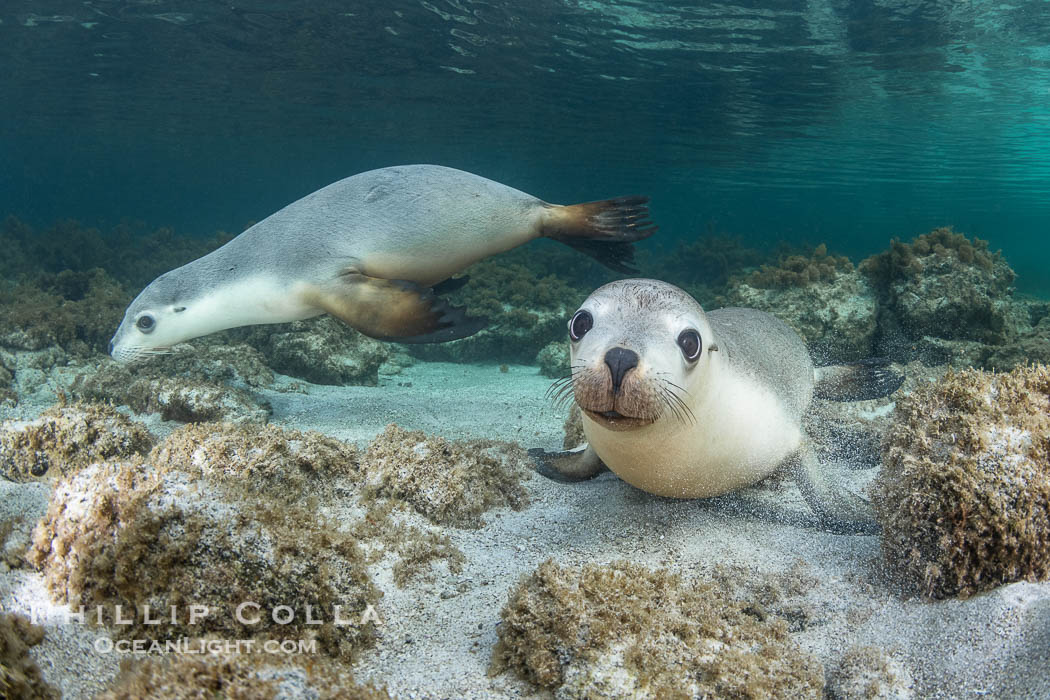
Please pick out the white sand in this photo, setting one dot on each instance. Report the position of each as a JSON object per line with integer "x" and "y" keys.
{"x": 437, "y": 635}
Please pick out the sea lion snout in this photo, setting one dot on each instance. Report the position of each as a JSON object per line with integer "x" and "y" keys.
{"x": 620, "y": 361}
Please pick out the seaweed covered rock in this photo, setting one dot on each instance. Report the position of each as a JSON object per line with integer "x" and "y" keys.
{"x": 216, "y": 675}
{"x": 66, "y": 438}
{"x": 280, "y": 463}
{"x": 1029, "y": 347}
{"x": 553, "y": 360}
{"x": 322, "y": 351}
{"x": 77, "y": 311}
{"x": 19, "y": 675}
{"x": 869, "y": 673}
{"x": 449, "y": 482}
{"x": 127, "y": 252}
{"x": 821, "y": 296}
{"x": 964, "y": 493}
{"x": 198, "y": 393}
{"x": 945, "y": 285}
{"x": 526, "y": 311}
{"x": 123, "y": 534}
{"x": 624, "y": 631}
{"x": 1030, "y": 344}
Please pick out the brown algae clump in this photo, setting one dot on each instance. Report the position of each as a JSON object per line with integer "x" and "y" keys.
{"x": 800, "y": 270}
{"x": 19, "y": 675}
{"x": 622, "y": 630}
{"x": 283, "y": 464}
{"x": 66, "y": 438}
{"x": 260, "y": 677}
{"x": 117, "y": 534}
{"x": 964, "y": 493}
{"x": 416, "y": 549}
{"x": 449, "y": 482}
{"x": 869, "y": 673}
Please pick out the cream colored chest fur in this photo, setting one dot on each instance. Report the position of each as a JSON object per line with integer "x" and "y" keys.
{"x": 740, "y": 436}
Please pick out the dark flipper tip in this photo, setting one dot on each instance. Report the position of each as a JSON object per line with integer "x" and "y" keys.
{"x": 604, "y": 229}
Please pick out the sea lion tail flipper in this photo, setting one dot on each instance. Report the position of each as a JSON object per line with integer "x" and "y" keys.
{"x": 857, "y": 381}
{"x": 839, "y": 510}
{"x": 570, "y": 466}
{"x": 395, "y": 310}
{"x": 603, "y": 230}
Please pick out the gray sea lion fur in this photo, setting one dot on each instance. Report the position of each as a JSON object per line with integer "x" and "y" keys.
{"x": 367, "y": 249}
{"x": 698, "y": 426}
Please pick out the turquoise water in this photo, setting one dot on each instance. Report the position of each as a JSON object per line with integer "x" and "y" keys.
{"x": 824, "y": 121}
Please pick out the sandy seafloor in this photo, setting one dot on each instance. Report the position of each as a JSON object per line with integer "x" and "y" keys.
{"x": 437, "y": 635}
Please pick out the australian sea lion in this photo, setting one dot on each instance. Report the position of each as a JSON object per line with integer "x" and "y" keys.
{"x": 368, "y": 250}
{"x": 688, "y": 404}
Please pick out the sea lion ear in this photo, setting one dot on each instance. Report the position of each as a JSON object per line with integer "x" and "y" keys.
{"x": 395, "y": 310}
{"x": 712, "y": 348}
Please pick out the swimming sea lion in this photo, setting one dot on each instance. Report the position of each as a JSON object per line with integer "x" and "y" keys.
{"x": 687, "y": 404}
{"x": 367, "y": 250}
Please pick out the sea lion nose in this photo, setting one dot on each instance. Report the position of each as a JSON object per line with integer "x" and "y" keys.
{"x": 620, "y": 362}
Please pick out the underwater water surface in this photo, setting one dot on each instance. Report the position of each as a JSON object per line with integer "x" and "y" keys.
{"x": 846, "y": 123}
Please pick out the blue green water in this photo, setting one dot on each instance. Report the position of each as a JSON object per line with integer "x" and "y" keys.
{"x": 822, "y": 121}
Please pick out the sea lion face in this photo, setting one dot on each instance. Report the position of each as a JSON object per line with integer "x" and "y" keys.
{"x": 639, "y": 351}
{"x": 155, "y": 320}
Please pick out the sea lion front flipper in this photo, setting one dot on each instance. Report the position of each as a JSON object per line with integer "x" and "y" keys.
{"x": 395, "y": 310}
{"x": 857, "y": 381}
{"x": 570, "y": 466}
{"x": 839, "y": 510}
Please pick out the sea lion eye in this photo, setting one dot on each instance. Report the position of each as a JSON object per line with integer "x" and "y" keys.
{"x": 145, "y": 323}
{"x": 689, "y": 341}
{"x": 580, "y": 324}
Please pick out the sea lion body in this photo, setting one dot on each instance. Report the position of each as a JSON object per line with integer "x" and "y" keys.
{"x": 366, "y": 249}
{"x": 688, "y": 404}
{"x": 759, "y": 383}
{"x": 420, "y": 223}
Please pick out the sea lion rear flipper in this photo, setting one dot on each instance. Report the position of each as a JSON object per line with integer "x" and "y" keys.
{"x": 395, "y": 310}
{"x": 857, "y": 381}
{"x": 603, "y": 230}
{"x": 570, "y": 466}
{"x": 839, "y": 510}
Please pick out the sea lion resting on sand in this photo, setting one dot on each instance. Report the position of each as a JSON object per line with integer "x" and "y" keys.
{"x": 684, "y": 403}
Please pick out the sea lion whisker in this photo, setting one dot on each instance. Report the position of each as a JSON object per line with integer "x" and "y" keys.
{"x": 674, "y": 404}
{"x": 673, "y": 398}
{"x": 557, "y": 385}
{"x": 668, "y": 405}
